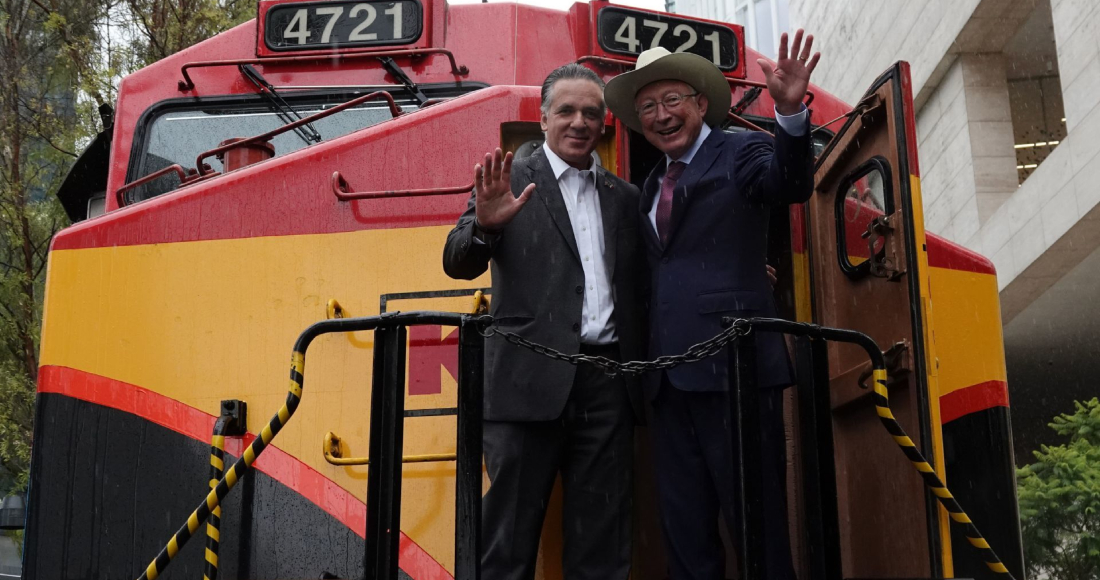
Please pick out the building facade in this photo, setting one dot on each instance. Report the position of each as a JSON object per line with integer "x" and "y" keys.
{"x": 1007, "y": 96}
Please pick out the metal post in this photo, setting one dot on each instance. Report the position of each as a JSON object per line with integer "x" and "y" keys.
{"x": 745, "y": 422}
{"x": 384, "y": 477}
{"x": 818, "y": 462}
{"x": 471, "y": 362}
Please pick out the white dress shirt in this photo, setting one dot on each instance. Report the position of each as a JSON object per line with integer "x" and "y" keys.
{"x": 794, "y": 125}
{"x": 582, "y": 202}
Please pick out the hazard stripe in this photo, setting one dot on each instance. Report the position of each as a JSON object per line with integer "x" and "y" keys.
{"x": 931, "y": 480}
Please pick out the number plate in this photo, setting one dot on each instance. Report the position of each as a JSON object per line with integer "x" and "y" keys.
{"x": 624, "y": 31}
{"x": 328, "y": 25}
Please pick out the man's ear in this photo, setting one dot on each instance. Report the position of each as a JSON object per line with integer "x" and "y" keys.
{"x": 542, "y": 122}
{"x": 702, "y": 104}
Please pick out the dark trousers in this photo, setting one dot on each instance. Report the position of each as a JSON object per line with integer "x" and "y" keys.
{"x": 696, "y": 472}
{"x": 591, "y": 445}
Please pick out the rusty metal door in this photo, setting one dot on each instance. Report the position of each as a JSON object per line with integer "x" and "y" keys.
{"x": 869, "y": 272}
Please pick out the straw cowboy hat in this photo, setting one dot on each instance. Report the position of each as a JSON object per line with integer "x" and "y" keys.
{"x": 658, "y": 64}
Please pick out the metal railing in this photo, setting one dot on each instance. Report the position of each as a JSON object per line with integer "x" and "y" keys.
{"x": 386, "y": 434}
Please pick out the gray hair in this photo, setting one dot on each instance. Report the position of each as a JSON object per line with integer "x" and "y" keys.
{"x": 571, "y": 71}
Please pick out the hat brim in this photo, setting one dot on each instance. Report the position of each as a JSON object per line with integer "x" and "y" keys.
{"x": 690, "y": 68}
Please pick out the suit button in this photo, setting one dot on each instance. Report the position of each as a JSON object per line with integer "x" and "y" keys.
{"x": 580, "y": 289}
{"x": 664, "y": 260}
{"x": 576, "y": 327}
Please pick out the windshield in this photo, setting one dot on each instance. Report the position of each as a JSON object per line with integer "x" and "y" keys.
{"x": 179, "y": 134}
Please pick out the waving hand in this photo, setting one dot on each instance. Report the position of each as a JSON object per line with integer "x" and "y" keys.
{"x": 789, "y": 77}
{"x": 495, "y": 203}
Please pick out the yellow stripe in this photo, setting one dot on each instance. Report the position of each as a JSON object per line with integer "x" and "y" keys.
{"x": 217, "y": 463}
{"x": 219, "y": 442}
{"x": 997, "y": 567}
{"x": 250, "y": 455}
{"x": 218, "y": 512}
{"x": 904, "y": 441}
{"x": 151, "y": 572}
{"x": 192, "y": 522}
{"x": 172, "y": 548}
{"x": 211, "y": 499}
{"x": 940, "y": 492}
{"x": 961, "y": 518}
{"x": 284, "y": 414}
{"x": 298, "y": 361}
{"x": 884, "y": 413}
{"x": 266, "y": 434}
{"x": 978, "y": 543}
{"x": 231, "y": 477}
{"x": 211, "y": 557}
{"x": 214, "y": 533}
{"x": 923, "y": 467}
{"x": 280, "y": 284}
{"x": 881, "y": 390}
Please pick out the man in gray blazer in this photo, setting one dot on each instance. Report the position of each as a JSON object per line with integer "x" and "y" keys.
{"x": 561, "y": 236}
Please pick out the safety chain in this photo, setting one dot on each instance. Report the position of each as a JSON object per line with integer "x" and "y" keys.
{"x": 738, "y": 329}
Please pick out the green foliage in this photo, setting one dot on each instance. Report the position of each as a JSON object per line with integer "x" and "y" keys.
{"x": 1059, "y": 498}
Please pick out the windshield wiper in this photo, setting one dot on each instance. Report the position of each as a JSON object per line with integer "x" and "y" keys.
{"x": 284, "y": 111}
{"x": 747, "y": 98}
{"x": 399, "y": 74}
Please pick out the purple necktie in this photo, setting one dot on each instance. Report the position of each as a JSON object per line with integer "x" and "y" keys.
{"x": 664, "y": 204}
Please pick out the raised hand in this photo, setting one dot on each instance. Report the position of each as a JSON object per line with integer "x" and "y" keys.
{"x": 495, "y": 204}
{"x": 789, "y": 77}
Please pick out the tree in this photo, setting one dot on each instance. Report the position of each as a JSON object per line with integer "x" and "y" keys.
{"x": 1060, "y": 500}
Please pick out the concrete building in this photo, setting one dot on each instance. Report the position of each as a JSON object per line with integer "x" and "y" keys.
{"x": 1008, "y": 126}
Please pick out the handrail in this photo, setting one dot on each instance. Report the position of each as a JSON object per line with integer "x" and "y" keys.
{"x": 340, "y": 189}
{"x": 217, "y": 469}
{"x": 748, "y": 83}
{"x": 394, "y": 109}
{"x": 234, "y": 474}
{"x": 175, "y": 167}
{"x": 746, "y": 123}
{"x": 187, "y": 84}
{"x": 881, "y": 398}
{"x": 331, "y": 449}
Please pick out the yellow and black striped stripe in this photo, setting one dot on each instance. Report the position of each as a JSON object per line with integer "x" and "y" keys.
{"x": 234, "y": 474}
{"x": 882, "y": 406}
{"x": 213, "y": 527}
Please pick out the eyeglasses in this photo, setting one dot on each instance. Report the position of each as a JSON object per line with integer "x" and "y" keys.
{"x": 671, "y": 103}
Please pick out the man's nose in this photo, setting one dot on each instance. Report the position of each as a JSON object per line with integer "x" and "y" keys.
{"x": 577, "y": 121}
{"x": 662, "y": 113}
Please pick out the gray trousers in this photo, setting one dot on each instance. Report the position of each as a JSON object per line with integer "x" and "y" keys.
{"x": 591, "y": 445}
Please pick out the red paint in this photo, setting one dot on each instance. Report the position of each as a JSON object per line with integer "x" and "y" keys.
{"x": 276, "y": 463}
{"x": 972, "y": 399}
{"x": 910, "y": 121}
{"x": 427, "y": 353}
{"x": 945, "y": 254}
{"x": 292, "y": 194}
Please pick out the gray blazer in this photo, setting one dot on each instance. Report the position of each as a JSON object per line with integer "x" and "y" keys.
{"x": 538, "y": 288}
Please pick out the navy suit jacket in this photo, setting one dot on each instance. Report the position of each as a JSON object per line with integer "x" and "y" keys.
{"x": 714, "y": 262}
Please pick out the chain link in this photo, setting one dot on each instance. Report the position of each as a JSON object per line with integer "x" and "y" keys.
{"x": 706, "y": 349}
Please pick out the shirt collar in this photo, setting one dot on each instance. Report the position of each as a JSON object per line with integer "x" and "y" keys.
{"x": 559, "y": 166}
{"x": 687, "y": 157}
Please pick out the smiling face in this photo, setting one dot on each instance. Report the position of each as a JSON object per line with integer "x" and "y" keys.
{"x": 673, "y": 131}
{"x": 574, "y": 120}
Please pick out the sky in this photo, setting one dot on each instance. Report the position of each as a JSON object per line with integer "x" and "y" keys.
{"x": 565, "y": 4}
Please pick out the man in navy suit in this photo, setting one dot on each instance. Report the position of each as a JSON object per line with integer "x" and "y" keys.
{"x": 704, "y": 212}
